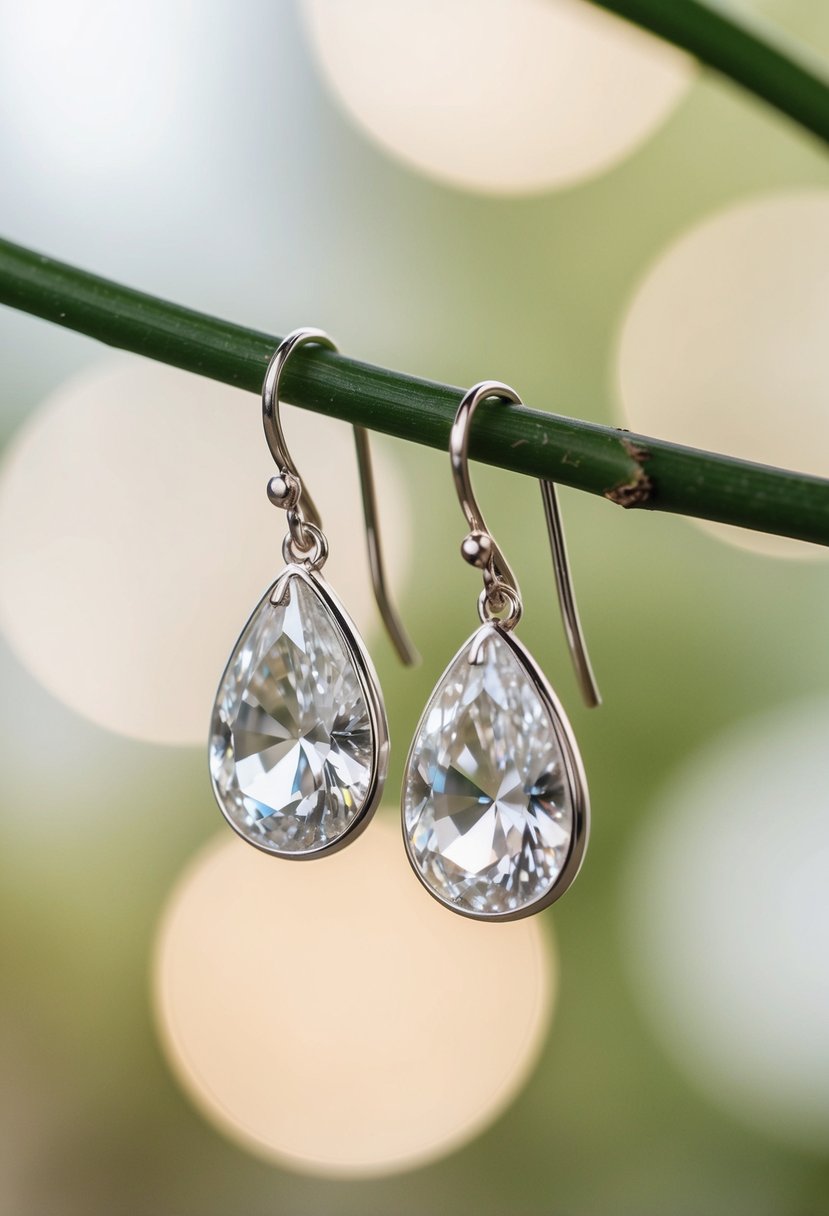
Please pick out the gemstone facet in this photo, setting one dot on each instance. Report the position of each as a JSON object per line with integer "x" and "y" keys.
{"x": 298, "y": 742}
{"x": 491, "y": 812}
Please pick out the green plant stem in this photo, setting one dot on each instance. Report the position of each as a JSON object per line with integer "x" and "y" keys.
{"x": 742, "y": 47}
{"x": 631, "y": 470}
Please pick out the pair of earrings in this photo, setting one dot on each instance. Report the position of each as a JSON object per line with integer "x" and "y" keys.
{"x": 495, "y": 804}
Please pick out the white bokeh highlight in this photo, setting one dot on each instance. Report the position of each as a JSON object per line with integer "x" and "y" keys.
{"x": 499, "y": 96}
{"x": 724, "y": 343}
{"x": 93, "y": 88}
{"x": 136, "y": 538}
{"x": 334, "y": 1019}
{"x": 726, "y": 907}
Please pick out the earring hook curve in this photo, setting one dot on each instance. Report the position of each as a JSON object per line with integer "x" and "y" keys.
{"x": 498, "y": 574}
{"x": 288, "y": 491}
{"x": 481, "y": 548}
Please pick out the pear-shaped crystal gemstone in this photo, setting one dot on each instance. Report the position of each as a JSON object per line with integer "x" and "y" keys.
{"x": 293, "y": 749}
{"x": 488, "y": 804}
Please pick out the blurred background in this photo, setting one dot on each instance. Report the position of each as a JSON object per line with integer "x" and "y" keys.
{"x": 520, "y": 189}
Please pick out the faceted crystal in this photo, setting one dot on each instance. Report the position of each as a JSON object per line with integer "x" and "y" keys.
{"x": 292, "y": 743}
{"x": 488, "y": 809}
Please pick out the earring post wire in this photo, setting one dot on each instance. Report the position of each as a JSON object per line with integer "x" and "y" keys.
{"x": 400, "y": 640}
{"x": 566, "y": 598}
{"x": 304, "y": 510}
{"x": 499, "y": 577}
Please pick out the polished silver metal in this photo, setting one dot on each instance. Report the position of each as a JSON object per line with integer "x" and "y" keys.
{"x": 316, "y": 554}
{"x": 370, "y": 687}
{"x": 576, "y": 779}
{"x": 400, "y": 640}
{"x": 501, "y": 592}
{"x": 480, "y": 548}
{"x": 500, "y": 608}
{"x": 566, "y": 598}
{"x": 306, "y": 541}
{"x": 305, "y": 550}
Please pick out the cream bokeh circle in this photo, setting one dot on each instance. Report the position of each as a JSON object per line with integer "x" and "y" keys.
{"x": 333, "y": 1018}
{"x": 136, "y": 537}
{"x": 727, "y": 913}
{"x": 501, "y": 96}
{"x": 724, "y": 343}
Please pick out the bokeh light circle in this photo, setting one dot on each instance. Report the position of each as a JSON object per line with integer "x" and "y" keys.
{"x": 56, "y": 66}
{"x": 136, "y": 537}
{"x": 501, "y": 96}
{"x": 726, "y": 904}
{"x": 724, "y": 343}
{"x": 334, "y": 1019}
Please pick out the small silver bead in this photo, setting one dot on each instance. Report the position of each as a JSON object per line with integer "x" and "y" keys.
{"x": 283, "y": 490}
{"x": 476, "y": 548}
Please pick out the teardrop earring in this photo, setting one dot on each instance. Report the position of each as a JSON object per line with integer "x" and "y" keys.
{"x": 299, "y": 740}
{"x": 495, "y": 803}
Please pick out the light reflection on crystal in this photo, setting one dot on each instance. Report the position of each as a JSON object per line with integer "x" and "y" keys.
{"x": 291, "y": 739}
{"x": 487, "y": 804}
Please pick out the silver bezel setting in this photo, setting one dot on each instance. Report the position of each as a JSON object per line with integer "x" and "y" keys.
{"x": 574, "y": 770}
{"x": 370, "y": 687}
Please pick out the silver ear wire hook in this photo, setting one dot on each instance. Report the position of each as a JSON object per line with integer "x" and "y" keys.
{"x": 286, "y": 490}
{"x": 480, "y": 548}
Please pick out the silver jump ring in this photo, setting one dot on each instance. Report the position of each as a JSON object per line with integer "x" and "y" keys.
{"x": 493, "y": 602}
{"x": 313, "y": 556}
